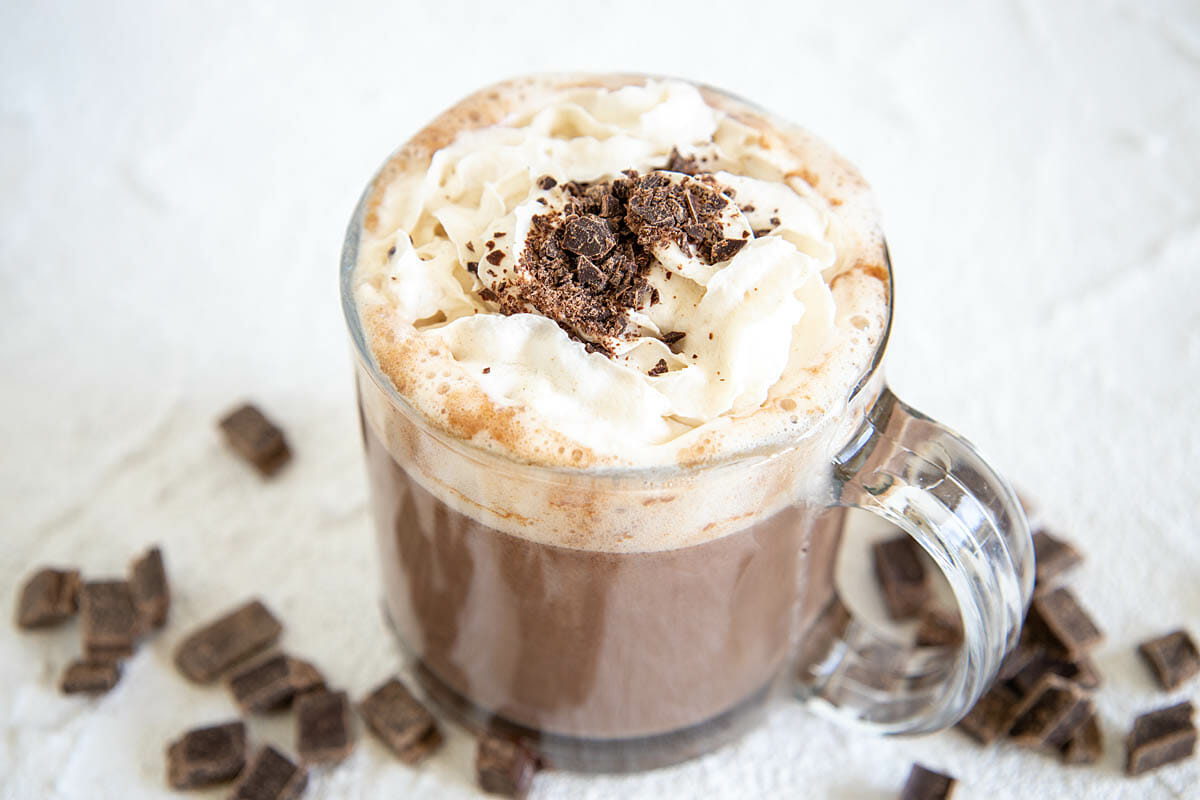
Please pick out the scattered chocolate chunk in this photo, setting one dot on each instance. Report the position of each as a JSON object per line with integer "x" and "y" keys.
{"x": 1160, "y": 737}
{"x": 901, "y": 576}
{"x": 545, "y": 183}
{"x": 939, "y": 627}
{"x": 774, "y": 221}
{"x": 270, "y": 776}
{"x": 473, "y": 267}
{"x": 609, "y": 206}
{"x": 658, "y": 369}
{"x": 589, "y": 274}
{"x": 400, "y": 722}
{"x": 727, "y": 249}
{"x": 486, "y": 370}
{"x": 148, "y": 581}
{"x": 1050, "y": 714}
{"x": 992, "y": 715}
{"x": 487, "y": 294}
{"x": 272, "y": 682}
{"x": 1086, "y": 745}
{"x": 494, "y": 258}
{"x": 925, "y": 784}
{"x": 656, "y": 209}
{"x": 256, "y": 439}
{"x": 110, "y": 621}
{"x": 589, "y": 236}
{"x": 206, "y": 756}
{"x": 1053, "y": 558}
{"x": 1057, "y": 621}
{"x": 1172, "y": 658}
{"x": 49, "y": 597}
{"x": 323, "y": 727}
{"x": 223, "y": 643}
{"x": 91, "y": 676}
{"x": 680, "y": 163}
{"x": 1018, "y": 658}
{"x": 671, "y": 337}
{"x": 1083, "y": 673}
{"x": 504, "y": 767}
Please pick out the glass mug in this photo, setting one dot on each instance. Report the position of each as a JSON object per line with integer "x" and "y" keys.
{"x": 603, "y": 660}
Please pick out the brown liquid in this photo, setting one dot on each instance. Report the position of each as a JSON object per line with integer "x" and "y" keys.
{"x": 595, "y": 645}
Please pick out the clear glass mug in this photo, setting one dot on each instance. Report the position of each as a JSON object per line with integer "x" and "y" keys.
{"x": 606, "y": 660}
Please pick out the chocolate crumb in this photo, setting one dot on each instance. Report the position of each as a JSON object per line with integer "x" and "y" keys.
{"x": 774, "y": 221}
{"x": 49, "y": 597}
{"x": 659, "y": 368}
{"x": 471, "y": 246}
{"x": 391, "y": 251}
{"x": 546, "y": 183}
{"x": 500, "y": 234}
{"x": 495, "y": 257}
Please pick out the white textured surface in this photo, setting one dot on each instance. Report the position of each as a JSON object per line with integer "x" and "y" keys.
{"x": 174, "y": 179}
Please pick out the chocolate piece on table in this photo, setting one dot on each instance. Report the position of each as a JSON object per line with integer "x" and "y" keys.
{"x": 1057, "y": 621}
{"x": 504, "y": 767}
{"x": 925, "y": 784}
{"x": 1082, "y": 673}
{"x": 1018, "y": 659}
{"x": 1172, "y": 658}
{"x": 1050, "y": 714}
{"x": 110, "y": 621}
{"x": 256, "y": 438}
{"x": 272, "y": 682}
{"x": 205, "y": 756}
{"x": 90, "y": 676}
{"x": 148, "y": 580}
{"x": 323, "y": 727}
{"x": 1053, "y": 557}
{"x": 939, "y": 627}
{"x": 400, "y": 722}
{"x": 992, "y": 716}
{"x": 901, "y": 576}
{"x": 1085, "y": 746}
{"x": 1160, "y": 737}
{"x": 210, "y": 651}
{"x": 49, "y": 597}
{"x": 270, "y": 776}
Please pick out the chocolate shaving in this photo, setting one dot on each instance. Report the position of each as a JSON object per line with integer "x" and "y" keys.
{"x": 680, "y": 163}
{"x": 658, "y": 369}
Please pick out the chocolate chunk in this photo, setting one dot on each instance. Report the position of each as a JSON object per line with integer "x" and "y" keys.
{"x": 504, "y": 767}
{"x": 671, "y": 337}
{"x": 1172, "y": 658}
{"x": 323, "y": 727}
{"x": 223, "y": 643}
{"x": 992, "y": 715}
{"x": 270, "y": 776}
{"x": 774, "y": 221}
{"x": 589, "y": 275}
{"x": 205, "y": 756}
{"x": 1057, "y": 621}
{"x": 679, "y": 163}
{"x": 272, "y": 683}
{"x": 110, "y": 621}
{"x": 1083, "y": 673}
{"x": 1160, "y": 737}
{"x": 658, "y": 369}
{"x": 494, "y": 258}
{"x": 656, "y": 208}
{"x": 90, "y": 676}
{"x": 1053, "y": 557}
{"x": 925, "y": 784}
{"x": 148, "y": 581}
{"x": 49, "y": 597}
{"x": 901, "y": 576}
{"x": 1018, "y": 658}
{"x": 488, "y": 295}
{"x": 726, "y": 249}
{"x": 1050, "y": 714}
{"x": 546, "y": 183}
{"x": 400, "y": 722}
{"x": 940, "y": 627}
{"x": 1085, "y": 746}
{"x": 588, "y": 236}
{"x": 608, "y": 205}
{"x": 473, "y": 267}
{"x": 256, "y": 439}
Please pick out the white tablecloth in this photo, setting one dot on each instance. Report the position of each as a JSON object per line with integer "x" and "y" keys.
{"x": 174, "y": 182}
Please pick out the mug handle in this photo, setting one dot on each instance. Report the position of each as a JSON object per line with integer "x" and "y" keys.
{"x": 931, "y": 483}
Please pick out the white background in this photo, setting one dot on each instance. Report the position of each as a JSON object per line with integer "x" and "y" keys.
{"x": 174, "y": 183}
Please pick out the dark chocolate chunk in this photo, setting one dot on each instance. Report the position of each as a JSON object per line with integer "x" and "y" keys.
{"x": 992, "y": 715}
{"x": 1172, "y": 658}
{"x": 589, "y": 274}
{"x": 1057, "y": 621}
{"x": 609, "y": 205}
{"x": 256, "y": 439}
{"x": 546, "y": 182}
{"x": 1083, "y": 673}
{"x": 504, "y": 767}
{"x": 400, "y": 722}
{"x": 726, "y": 249}
{"x": 205, "y": 756}
{"x": 473, "y": 267}
{"x": 656, "y": 208}
{"x": 1050, "y": 714}
{"x": 680, "y": 163}
{"x": 210, "y": 651}
{"x": 323, "y": 727}
{"x": 925, "y": 784}
{"x": 272, "y": 683}
{"x": 658, "y": 369}
{"x": 1018, "y": 658}
{"x": 270, "y": 776}
{"x": 940, "y": 627}
{"x": 1160, "y": 737}
{"x": 671, "y": 337}
{"x": 487, "y": 294}
{"x": 110, "y": 621}
{"x": 148, "y": 581}
{"x": 1053, "y": 557}
{"x": 901, "y": 576}
{"x": 1085, "y": 746}
{"x": 90, "y": 676}
{"x": 494, "y": 258}
{"x": 589, "y": 236}
{"x": 49, "y": 597}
